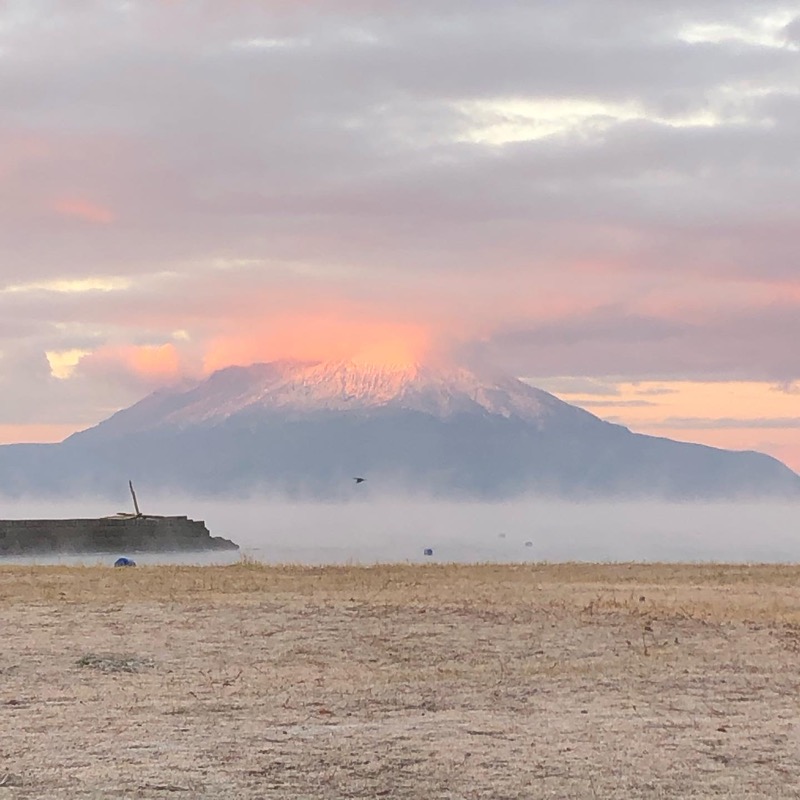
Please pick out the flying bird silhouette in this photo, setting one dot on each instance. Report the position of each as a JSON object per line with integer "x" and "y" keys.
{"x": 359, "y": 480}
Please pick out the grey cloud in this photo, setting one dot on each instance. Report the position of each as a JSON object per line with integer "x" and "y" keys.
{"x": 609, "y": 325}
{"x": 792, "y": 31}
{"x": 348, "y": 150}
{"x": 32, "y": 395}
{"x": 701, "y": 423}
{"x": 748, "y": 344}
{"x": 213, "y": 143}
{"x": 654, "y": 391}
{"x": 788, "y": 387}
{"x": 585, "y": 403}
{"x": 570, "y": 385}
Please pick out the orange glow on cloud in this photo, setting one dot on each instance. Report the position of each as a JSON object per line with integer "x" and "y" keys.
{"x": 36, "y": 433}
{"x": 321, "y": 338}
{"x": 659, "y": 408}
{"x": 152, "y": 363}
{"x": 85, "y": 210}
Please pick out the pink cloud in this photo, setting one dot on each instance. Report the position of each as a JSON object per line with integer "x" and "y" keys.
{"x": 147, "y": 366}
{"x": 324, "y": 337}
{"x": 84, "y": 210}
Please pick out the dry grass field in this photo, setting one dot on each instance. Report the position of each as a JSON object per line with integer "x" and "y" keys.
{"x": 438, "y": 681}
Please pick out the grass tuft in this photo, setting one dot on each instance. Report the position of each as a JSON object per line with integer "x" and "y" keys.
{"x": 111, "y": 662}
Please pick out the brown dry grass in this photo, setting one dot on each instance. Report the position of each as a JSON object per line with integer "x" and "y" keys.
{"x": 563, "y": 681}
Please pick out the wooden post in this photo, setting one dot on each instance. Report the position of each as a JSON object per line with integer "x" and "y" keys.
{"x": 135, "y": 504}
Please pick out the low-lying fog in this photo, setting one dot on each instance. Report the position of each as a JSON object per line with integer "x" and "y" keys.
{"x": 392, "y": 530}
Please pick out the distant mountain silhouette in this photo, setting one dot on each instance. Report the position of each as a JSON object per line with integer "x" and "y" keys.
{"x": 307, "y": 428}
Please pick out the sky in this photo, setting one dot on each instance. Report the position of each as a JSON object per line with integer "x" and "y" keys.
{"x": 601, "y": 198}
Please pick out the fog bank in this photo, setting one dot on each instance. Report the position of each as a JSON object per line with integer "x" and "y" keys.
{"x": 400, "y": 529}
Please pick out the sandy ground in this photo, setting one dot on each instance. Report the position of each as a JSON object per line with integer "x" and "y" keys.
{"x": 560, "y": 681}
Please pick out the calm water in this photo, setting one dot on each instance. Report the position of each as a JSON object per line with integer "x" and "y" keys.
{"x": 398, "y": 530}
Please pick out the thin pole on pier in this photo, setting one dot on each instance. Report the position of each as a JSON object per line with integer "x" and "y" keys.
{"x": 135, "y": 503}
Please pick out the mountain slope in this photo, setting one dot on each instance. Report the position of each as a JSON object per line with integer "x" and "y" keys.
{"x": 295, "y": 388}
{"x": 307, "y": 428}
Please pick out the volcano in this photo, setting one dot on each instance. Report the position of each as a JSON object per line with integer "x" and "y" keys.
{"x": 305, "y": 428}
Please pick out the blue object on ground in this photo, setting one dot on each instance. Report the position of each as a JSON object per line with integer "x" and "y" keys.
{"x": 427, "y": 551}
{"x": 124, "y": 562}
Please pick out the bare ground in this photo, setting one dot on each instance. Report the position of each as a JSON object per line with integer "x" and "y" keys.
{"x": 562, "y": 681}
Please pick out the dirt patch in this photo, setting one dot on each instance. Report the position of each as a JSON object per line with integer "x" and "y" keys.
{"x": 567, "y": 681}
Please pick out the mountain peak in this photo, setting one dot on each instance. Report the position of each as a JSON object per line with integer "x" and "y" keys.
{"x": 363, "y": 384}
{"x": 310, "y": 426}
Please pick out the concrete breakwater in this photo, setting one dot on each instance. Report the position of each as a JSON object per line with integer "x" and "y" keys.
{"x": 107, "y": 535}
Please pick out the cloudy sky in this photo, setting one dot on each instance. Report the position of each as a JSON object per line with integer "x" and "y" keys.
{"x": 603, "y": 198}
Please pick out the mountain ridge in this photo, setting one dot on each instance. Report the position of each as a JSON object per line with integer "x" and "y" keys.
{"x": 305, "y": 428}
{"x": 344, "y": 385}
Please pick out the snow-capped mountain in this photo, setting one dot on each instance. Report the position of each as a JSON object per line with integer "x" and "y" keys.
{"x": 298, "y": 387}
{"x": 307, "y": 428}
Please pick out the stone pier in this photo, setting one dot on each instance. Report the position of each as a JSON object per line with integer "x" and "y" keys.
{"x": 107, "y": 535}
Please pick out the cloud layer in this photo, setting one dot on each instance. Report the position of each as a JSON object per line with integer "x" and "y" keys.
{"x": 564, "y": 188}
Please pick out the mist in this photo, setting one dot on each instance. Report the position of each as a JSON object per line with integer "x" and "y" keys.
{"x": 385, "y": 530}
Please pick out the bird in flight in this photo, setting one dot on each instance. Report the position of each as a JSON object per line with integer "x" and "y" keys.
{"x": 359, "y": 480}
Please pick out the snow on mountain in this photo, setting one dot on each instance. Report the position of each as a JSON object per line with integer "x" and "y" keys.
{"x": 307, "y": 428}
{"x": 438, "y": 391}
{"x": 297, "y": 387}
